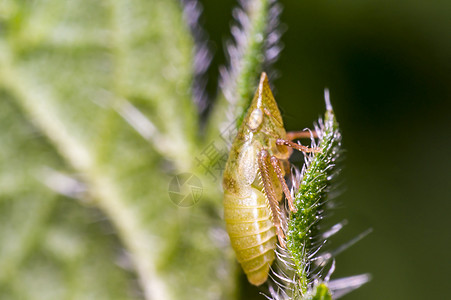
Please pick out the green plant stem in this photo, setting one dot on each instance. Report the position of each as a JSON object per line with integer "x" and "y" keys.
{"x": 310, "y": 199}
{"x": 244, "y": 71}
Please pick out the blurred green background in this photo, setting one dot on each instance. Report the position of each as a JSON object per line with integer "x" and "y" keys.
{"x": 387, "y": 64}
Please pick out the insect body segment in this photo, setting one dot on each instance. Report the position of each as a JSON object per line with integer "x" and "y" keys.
{"x": 251, "y": 232}
{"x": 254, "y": 185}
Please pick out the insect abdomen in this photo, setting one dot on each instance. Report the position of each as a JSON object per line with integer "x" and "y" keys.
{"x": 252, "y": 233}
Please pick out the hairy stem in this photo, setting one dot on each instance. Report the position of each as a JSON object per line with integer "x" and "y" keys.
{"x": 247, "y": 57}
{"x": 310, "y": 199}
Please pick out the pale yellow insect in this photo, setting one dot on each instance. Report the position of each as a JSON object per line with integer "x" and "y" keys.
{"x": 254, "y": 184}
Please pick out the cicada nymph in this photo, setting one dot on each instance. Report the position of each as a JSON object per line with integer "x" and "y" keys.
{"x": 254, "y": 184}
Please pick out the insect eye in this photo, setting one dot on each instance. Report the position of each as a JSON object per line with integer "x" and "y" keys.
{"x": 255, "y": 119}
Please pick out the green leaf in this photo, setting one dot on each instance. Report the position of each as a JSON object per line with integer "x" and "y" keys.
{"x": 51, "y": 248}
{"x": 86, "y": 75}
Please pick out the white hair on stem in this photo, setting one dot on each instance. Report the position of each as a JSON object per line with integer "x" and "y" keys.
{"x": 192, "y": 12}
{"x": 243, "y": 37}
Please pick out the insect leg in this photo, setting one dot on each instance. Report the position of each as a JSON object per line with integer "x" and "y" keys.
{"x": 294, "y": 135}
{"x": 297, "y": 146}
{"x": 264, "y": 167}
{"x": 276, "y": 165}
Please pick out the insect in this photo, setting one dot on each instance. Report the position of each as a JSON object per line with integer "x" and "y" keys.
{"x": 254, "y": 184}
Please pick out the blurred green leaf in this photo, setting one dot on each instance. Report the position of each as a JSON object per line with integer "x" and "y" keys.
{"x": 72, "y": 73}
{"x": 51, "y": 247}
